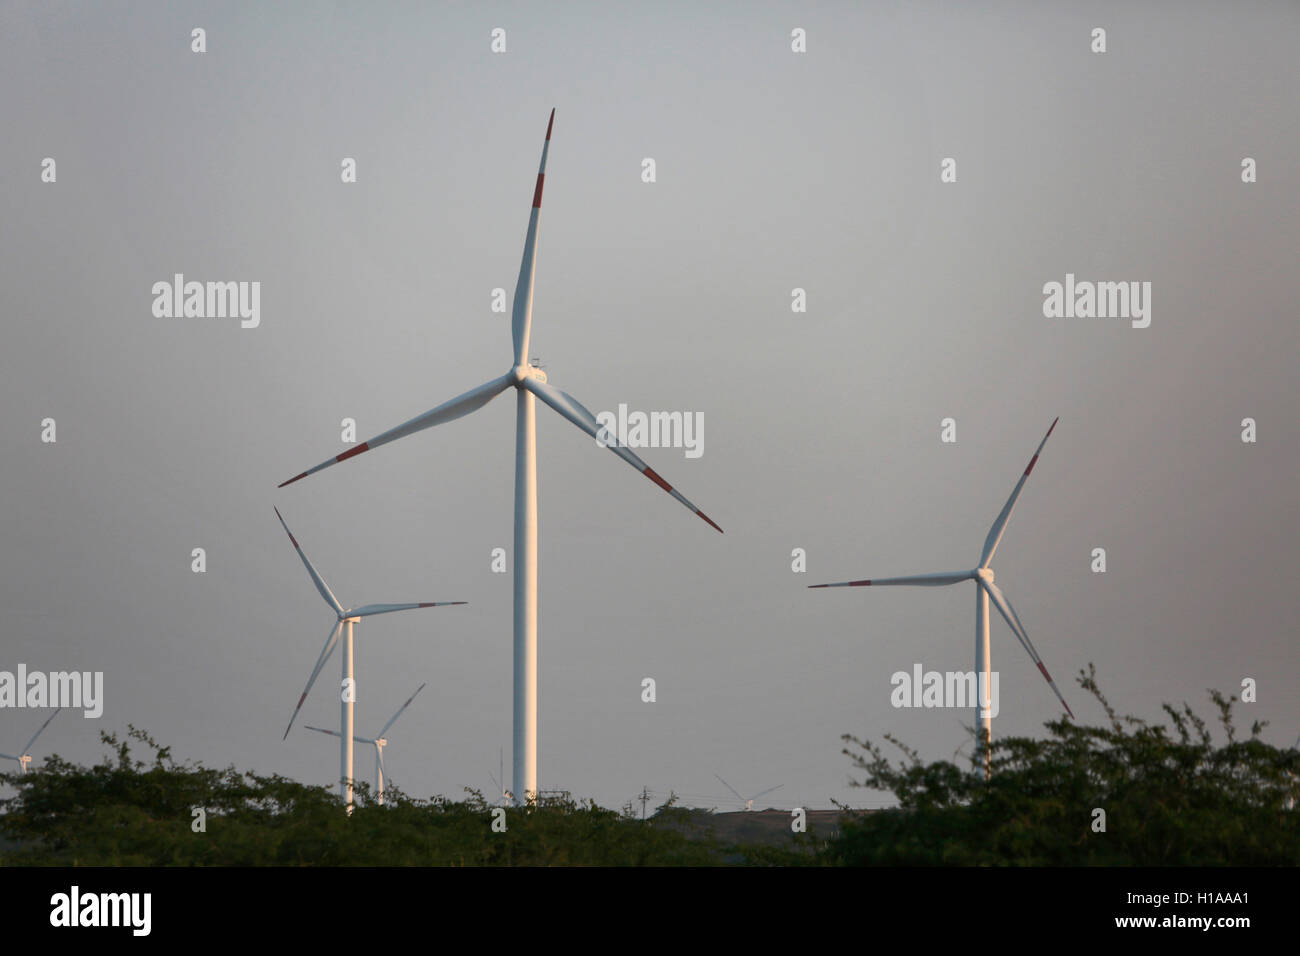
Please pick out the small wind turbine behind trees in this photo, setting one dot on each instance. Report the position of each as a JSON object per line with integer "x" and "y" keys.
{"x": 749, "y": 801}
{"x": 379, "y": 742}
{"x": 24, "y": 756}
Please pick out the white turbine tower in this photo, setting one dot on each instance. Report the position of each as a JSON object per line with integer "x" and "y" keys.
{"x": 346, "y": 618}
{"x": 748, "y": 801}
{"x": 985, "y": 589}
{"x": 529, "y": 383}
{"x": 24, "y": 756}
{"x": 379, "y": 742}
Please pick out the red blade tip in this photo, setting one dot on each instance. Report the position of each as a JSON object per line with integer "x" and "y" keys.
{"x": 711, "y": 522}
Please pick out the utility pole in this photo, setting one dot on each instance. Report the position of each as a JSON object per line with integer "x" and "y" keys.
{"x": 645, "y": 796}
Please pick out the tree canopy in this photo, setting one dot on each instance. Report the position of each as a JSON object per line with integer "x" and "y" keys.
{"x": 1127, "y": 792}
{"x": 1170, "y": 796}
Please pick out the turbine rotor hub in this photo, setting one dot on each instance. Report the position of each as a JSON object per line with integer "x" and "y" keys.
{"x": 521, "y": 372}
{"x": 984, "y": 574}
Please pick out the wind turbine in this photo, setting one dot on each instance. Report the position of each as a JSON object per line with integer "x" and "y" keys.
{"x": 985, "y": 589}
{"x": 529, "y": 383}
{"x": 24, "y": 756}
{"x": 346, "y": 618}
{"x": 379, "y": 742}
{"x": 499, "y": 782}
{"x": 748, "y": 801}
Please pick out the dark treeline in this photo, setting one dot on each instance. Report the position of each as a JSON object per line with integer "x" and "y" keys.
{"x": 1126, "y": 793}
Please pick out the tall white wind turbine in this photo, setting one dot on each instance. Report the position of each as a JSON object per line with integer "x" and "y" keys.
{"x": 346, "y": 618}
{"x": 24, "y": 756}
{"x": 529, "y": 383}
{"x": 379, "y": 742}
{"x": 985, "y": 589}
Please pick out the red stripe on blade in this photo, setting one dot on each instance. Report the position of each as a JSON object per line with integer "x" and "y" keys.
{"x": 352, "y": 452}
{"x": 859, "y": 584}
{"x": 537, "y": 195}
{"x": 286, "y": 528}
{"x": 654, "y": 476}
{"x": 292, "y": 480}
{"x": 1032, "y": 462}
{"x": 1044, "y": 670}
{"x": 709, "y": 520}
{"x": 550, "y": 124}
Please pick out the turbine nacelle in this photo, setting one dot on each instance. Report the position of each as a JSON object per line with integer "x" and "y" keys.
{"x": 983, "y": 574}
{"x": 522, "y": 372}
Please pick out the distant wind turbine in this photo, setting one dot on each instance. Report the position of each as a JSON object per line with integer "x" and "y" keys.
{"x": 24, "y": 756}
{"x": 749, "y": 801}
{"x": 346, "y": 618}
{"x": 985, "y": 589}
{"x": 379, "y": 742}
{"x": 499, "y": 782}
{"x": 529, "y": 383}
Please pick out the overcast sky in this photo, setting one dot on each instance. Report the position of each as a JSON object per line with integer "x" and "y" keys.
{"x": 775, "y": 170}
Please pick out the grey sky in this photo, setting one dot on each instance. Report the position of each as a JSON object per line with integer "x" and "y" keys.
{"x": 775, "y": 171}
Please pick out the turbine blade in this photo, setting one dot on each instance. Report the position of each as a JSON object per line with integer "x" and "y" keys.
{"x": 320, "y": 662}
{"x": 521, "y": 318}
{"x": 1013, "y": 621}
{"x": 1000, "y": 525}
{"x": 731, "y": 788}
{"x": 316, "y": 579}
{"x": 392, "y": 720}
{"x": 921, "y": 580}
{"x": 8, "y": 757}
{"x": 322, "y": 730}
{"x": 368, "y": 610}
{"x": 28, "y": 745}
{"x": 767, "y": 791}
{"x": 572, "y": 409}
{"x": 461, "y": 405}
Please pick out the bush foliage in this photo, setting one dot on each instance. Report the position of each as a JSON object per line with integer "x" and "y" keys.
{"x": 1171, "y": 796}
